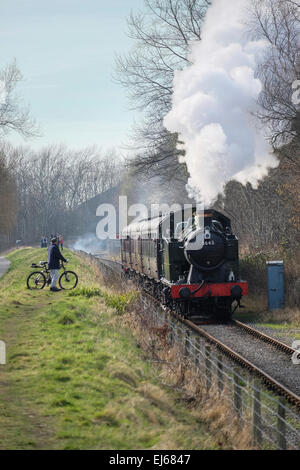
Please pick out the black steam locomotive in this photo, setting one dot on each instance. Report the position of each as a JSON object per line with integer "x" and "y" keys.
{"x": 190, "y": 266}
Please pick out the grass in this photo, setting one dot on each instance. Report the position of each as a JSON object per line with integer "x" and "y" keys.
{"x": 119, "y": 301}
{"x": 74, "y": 378}
{"x": 286, "y": 318}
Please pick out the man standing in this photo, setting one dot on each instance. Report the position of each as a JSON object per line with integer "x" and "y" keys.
{"x": 54, "y": 256}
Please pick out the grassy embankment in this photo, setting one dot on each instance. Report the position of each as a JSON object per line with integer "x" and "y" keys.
{"x": 74, "y": 378}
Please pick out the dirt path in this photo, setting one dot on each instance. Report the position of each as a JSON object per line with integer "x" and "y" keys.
{"x": 4, "y": 265}
{"x": 21, "y": 427}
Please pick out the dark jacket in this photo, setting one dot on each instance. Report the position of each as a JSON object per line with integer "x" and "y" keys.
{"x": 54, "y": 255}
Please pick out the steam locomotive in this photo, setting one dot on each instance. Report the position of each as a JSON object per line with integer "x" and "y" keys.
{"x": 191, "y": 267}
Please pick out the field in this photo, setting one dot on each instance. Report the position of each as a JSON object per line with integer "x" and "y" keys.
{"x": 74, "y": 378}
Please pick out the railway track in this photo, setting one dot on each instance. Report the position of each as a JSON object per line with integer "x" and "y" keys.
{"x": 277, "y": 380}
{"x": 271, "y": 382}
{"x": 267, "y": 339}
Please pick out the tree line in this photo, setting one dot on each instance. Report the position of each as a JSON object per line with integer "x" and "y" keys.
{"x": 35, "y": 184}
{"x": 40, "y": 190}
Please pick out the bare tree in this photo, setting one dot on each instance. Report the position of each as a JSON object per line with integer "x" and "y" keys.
{"x": 90, "y": 172}
{"x": 156, "y": 156}
{"x": 13, "y": 115}
{"x": 278, "y": 23}
{"x": 51, "y": 183}
{"x": 162, "y": 38}
{"x": 8, "y": 199}
{"x": 269, "y": 215}
{"x": 261, "y": 217}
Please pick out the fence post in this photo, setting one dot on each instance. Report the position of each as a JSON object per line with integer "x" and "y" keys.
{"x": 197, "y": 354}
{"x": 281, "y": 425}
{"x": 171, "y": 332}
{"x": 237, "y": 393}
{"x": 187, "y": 343}
{"x": 174, "y": 333}
{"x": 220, "y": 373}
{"x": 257, "y": 435}
{"x": 207, "y": 367}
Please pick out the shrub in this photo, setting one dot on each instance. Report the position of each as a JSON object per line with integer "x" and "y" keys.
{"x": 66, "y": 319}
{"x": 86, "y": 292}
{"x": 119, "y": 302}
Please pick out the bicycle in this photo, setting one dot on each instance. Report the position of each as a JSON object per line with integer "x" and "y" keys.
{"x": 37, "y": 280}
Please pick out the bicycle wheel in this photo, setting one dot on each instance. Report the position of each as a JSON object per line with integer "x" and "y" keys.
{"x": 68, "y": 280}
{"x": 36, "y": 280}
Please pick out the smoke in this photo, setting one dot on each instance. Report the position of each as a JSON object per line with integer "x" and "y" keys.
{"x": 213, "y": 104}
{"x": 89, "y": 243}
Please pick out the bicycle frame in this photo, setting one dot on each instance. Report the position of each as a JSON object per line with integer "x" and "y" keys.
{"x": 66, "y": 275}
{"x": 46, "y": 271}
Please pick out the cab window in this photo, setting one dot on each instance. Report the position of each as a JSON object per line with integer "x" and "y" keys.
{"x": 217, "y": 225}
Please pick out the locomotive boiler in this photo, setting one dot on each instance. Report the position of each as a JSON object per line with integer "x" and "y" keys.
{"x": 191, "y": 265}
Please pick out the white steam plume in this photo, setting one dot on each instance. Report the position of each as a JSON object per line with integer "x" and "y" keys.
{"x": 213, "y": 101}
{"x": 89, "y": 243}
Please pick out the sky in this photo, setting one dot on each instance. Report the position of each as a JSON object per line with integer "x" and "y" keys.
{"x": 65, "y": 50}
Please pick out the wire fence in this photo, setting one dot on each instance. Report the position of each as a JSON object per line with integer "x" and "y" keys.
{"x": 273, "y": 422}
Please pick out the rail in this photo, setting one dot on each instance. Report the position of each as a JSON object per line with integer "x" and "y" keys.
{"x": 267, "y": 339}
{"x": 259, "y": 401}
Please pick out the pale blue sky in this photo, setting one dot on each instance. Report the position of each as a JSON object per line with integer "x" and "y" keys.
{"x": 65, "y": 50}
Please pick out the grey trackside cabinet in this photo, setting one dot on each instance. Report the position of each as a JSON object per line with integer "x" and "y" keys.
{"x": 275, "y": 278}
